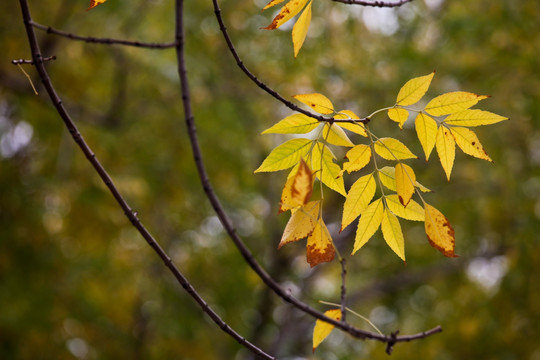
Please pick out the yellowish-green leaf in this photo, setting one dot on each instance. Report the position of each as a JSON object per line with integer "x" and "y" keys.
{"x": 300, "y": 29}
{"x": 473, "y": 118}
{"x": 446, "y": 148}
{"x": 439, "y": 231}
{"x": 467, "y": 141}
{"x": 272, "y": 3}
{"x": 293, "y": 124}
{"x": 358, "y": 198}
{"x": 426, "y": 129}
{"x": 368, "y": 224}
{"x": 388, "y": 177}
{"x": 334, "y": 134}
{"x": 302, "y": 223}
{"x": 452, "y": 102}
{"x": 357, "y": 127}
{"x": 359, "y": 156}
{"x": 393, "y": 149}
{"x": 326, "y": 169}
{"x": 317, "y": 102}
{"x": 414, "y": 90}
{"x": 287, "y": 12}
{"x": 405, "y": 180}
{"x": 413, "y": 211}
{"x": 398, "y": 115}
{"x": 323, "y": 329}
{"x": 94, "y": 3}
{"x": 320, "y": 247}
{"x": 285, "y": 155}
{"x": 392, "y": 233}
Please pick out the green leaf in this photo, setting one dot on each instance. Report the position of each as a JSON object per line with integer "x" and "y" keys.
{"x": 285, "y": 155}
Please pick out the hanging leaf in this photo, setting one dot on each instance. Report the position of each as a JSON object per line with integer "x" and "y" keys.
{"x": 357, "y": 128}
{"x": 272, "y": 3}
{"x": 323, "y": 329}
{"x": 302, "y": 185}
{"x": 287, "y": 12}
{"x": 413, "y": 211}
{"x": 319, "y": 247}
{"x": 301, "y": 224}
{"x": 370, "y": 220}
{"x": 446, "y": 148}
{"x": 387, "y": 175}
{"x": 468, "y": 142}
{"x": 439, "y": 231}
{"x": 398, "y": 115}
{"x": 405, "y": 180}
{"x": 414, "y": 90}
{"x": 452, "y": 102}
{"x": 326, "y": 169}
{"x": 473, "y": 118}
{"x": 285, "y": 155}
{"x": 334, "y": 134}
{"x": 359, "y": 156}
{"x": 317, "y": 102}
{"x": 393, "y": 149}
{"x": 300, "y": 29}
{"x": 392, "y": 233}
{"x": 94, "y": 3}
{"x": 286, "y": 202}
{"x": 358, "y": 198}
{"x": 426, "y": 129}
{"x": 293, "y": 124}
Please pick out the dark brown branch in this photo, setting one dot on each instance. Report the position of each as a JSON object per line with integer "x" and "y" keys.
{"x": 381, "y": 4}
{"x": 31, "y": 62}
{"x": 107, "y": 180}
{"x": 106, "y": 41}
{"x": 343, "y": 289}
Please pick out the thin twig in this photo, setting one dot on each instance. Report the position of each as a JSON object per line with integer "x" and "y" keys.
{"x": 343, "y": 288}
{"x": 106, "y": 41}
{"x": 107, "y": 180}
{"x": 28, "y": 77}
{"x": 31, "y": 62}
{"x": 381, "y": 4}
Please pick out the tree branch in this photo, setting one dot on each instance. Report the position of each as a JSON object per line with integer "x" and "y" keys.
{"x": 381, "y": 4}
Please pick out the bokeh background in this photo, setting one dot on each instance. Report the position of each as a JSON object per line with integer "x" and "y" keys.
{"x": 78, "y": 282}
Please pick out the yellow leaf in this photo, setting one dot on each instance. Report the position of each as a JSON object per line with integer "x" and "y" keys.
{"x": 319, "y": 247}
{"x": 439, "y": 231}
{"x": 317, "y": 102}
{"x": 300, "y": 29}
{"x": 359, "y": 156}
{"x": 392, "y": 233}
{"x": 398, "y": 115}
{"x": 358, "y": 198}
{"x": 392, "y": 149}
{"x": 94, "y": 3}
{"x": 387, "y": 175}
{"x": 446, "y": 148}
{"x": 287, "y": 12}
{"x": 301, "y": 186}
{"x": 301, "y": 224}
{"x": 369, "y": 223}
{"x": 357, "y": 128}
{"x": 286, "y": 202}
{"x": 323, "y": 329}
{"x": 452, "y": 102}
{"x": 293, "y": 124}
{"x": 426, "y": 129}
{"x": 326, "y": 169}
{"x": 272, "y": 3}
{"x": 467, "y": 141}
{"x": 285, "y": 155}
{"x": 413, "y": 211}
{"x": 414, "y": 90}
{"x": 405, "y": 180}
{"x": 334, "y": 134}
{"x": 473, "y": 118}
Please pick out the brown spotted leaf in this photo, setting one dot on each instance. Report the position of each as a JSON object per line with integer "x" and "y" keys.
{"x": 301, "y": 224}
{"x": 287, "y": 12}
{"x": 319, "y": 247}
{"x": 94, "y": 3}
{"x": 439, "y": 231}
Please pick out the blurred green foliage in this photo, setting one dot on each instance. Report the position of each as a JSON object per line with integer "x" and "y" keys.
{"x": 77, "y": 281}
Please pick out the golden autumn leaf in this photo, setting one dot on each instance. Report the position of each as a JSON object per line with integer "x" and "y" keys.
{"x": 286, "y": 202}
{"x": 414, "y": 90}
{"x": 300, "y": 29}
{"x": 393, "y": 149}
{"x": 94, "y": 3}
{"x": 446, "y": 149}
{"x": 334, "y": 134}
{"x": 317, "y": 102}
{"x": 473, "y": 118}
{"x": 272, "y": 3}
{"x": 398, "y": 115}
{"x": 302, "y": 185}
{"x": 287, "y": 12}
{"x": 452, "y": 102}
{"x": 426, "y": 130}
{"x": 387, "y": 175}
{"x": 326, "y": 170}
{"x": 359, "y": 156}
{"x": 319, "y": 246}
{"x": 301, "y": 224}
{"x": 370, "y": 220}
{"x": 392, "y": 233}
{"x": 467, "y": 141}
{"x": 285, "y": 155}
{"x": 293, "y": 124}
{"x": 358, "y": 198}
{"x": 357, "y": 128}
{"x": 439, "y": 231}
{"x": 413, "y": 211}
{"x": 405, "y": 180}
{"x": 323, "y": 329}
